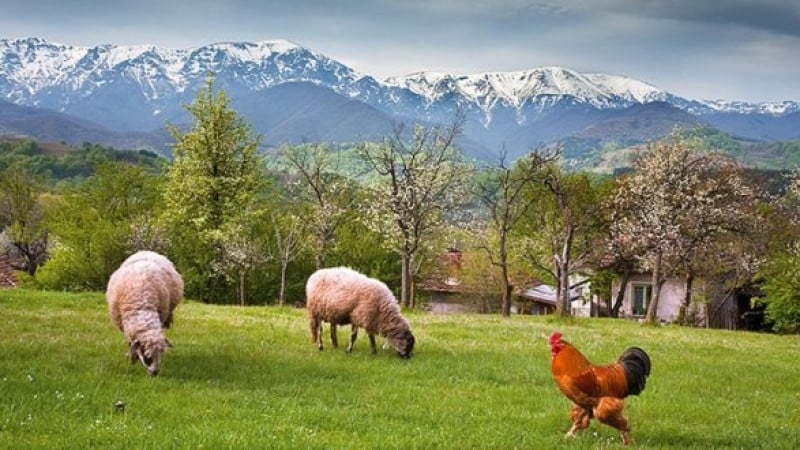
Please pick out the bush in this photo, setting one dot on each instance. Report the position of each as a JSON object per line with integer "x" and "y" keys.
{"x": 782, "y": 287}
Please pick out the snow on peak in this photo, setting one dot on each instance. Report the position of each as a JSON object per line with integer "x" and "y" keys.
{"x": 35, "y": 65}
{"x": 516, "y": 88}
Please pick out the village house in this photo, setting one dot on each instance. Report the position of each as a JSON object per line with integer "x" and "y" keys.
{"x": 712, "y": 304}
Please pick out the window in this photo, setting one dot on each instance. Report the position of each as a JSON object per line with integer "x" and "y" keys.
{"x": 641, "y": 298}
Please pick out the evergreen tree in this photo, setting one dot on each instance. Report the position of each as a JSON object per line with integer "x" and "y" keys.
{"x": 211, "y": 189}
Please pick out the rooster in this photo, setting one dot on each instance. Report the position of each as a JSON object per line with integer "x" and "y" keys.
{"x": 598, "y": 391}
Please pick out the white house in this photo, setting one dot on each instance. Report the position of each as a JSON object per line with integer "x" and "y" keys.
{"x": 639, "y": 292}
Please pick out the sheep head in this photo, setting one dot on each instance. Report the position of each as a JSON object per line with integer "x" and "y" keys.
{"x": 148, "y": 352}
{"x": 403, "y": 343}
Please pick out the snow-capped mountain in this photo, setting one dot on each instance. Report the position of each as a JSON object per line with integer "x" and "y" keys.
{"x": 140, "y": 88}
{"x": 517, "y": 88}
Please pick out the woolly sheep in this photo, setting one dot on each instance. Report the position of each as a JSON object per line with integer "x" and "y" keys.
{"x": 142, "y": 294}
{"x": 343, "y": 296}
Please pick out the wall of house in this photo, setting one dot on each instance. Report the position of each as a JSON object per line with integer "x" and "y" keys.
{"x": 672, "y": 294}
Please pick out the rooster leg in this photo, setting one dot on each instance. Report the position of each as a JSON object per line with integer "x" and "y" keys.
{"x": 609, "y": 412}
{"x": 580, "y": 419}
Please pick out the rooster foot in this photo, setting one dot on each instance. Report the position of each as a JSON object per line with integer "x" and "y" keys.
{"x": 626, "y": 438}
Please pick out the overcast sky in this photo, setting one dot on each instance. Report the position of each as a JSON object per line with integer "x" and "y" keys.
{"x": 700, "y": 49}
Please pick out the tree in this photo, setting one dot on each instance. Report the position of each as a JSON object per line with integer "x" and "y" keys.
{"x": 322, "y": 186}
{"x": 22, "y": 215}
{"x": 93, "y": 224}
{"x": 782, "y": 288}
{"x": 501, "y": 191}
{"x": 562, "y": 228}
{"x": 419, "y": 181}
{"x": 676, "y": 205}
{"x": 211, "y": 189}
{"x": 781, "y": 274}
{"x": 289, "y": 246}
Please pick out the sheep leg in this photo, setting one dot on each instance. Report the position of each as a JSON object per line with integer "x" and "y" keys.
{"x": 372, "y": 343}
{"x": 334, "y": 336}
{"x": 316, "y": 332}
{"x": 353, "y": 336}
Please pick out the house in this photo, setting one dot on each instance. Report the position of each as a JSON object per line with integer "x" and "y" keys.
{"x": 639, "y": 292}
{"x": 443, "y": 291}
{"x": 448, "y": 289}
{"x": 540, "y": 299}
{"x": 713, "y": 305}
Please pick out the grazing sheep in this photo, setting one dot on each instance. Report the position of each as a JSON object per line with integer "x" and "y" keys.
{"x": 142, "y": 294}
{"x": 341, "y": 295}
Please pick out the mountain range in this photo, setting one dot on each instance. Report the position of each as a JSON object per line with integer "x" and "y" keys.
{"x": 125, "y": 95}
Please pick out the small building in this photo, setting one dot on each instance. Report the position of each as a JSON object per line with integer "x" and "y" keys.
{"x": 540, "y": 299}
{"x": 712, "y": 305}
{"x": 639, "y": 292}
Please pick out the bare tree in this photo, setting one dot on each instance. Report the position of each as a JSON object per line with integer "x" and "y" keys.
{"x": 240, "y": 250}
{"x": 325, "y": 186}
{"x": 420, "y": 179}
{"x": 562, "y": 228}
{"x": 289, "y": 247}
{"x": 502, "y": 192}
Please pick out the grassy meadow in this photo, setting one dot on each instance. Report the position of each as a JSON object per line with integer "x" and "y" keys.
{"x": 250, "y": 378}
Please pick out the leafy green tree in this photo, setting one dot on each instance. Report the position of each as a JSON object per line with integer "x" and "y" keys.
{"x": 211, "y": 189}
{"x": 781, "y": 272}
{"x": 782, "y": 288}
{"x": 22, "y": 216}
{"x": 93, "y": 225}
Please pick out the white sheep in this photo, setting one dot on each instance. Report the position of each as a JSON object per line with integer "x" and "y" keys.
{"x": 343, "y": 296}
{"x": 142, "y": 294}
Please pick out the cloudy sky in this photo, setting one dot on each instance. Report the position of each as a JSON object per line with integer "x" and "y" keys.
{"x": 702, "y": 49}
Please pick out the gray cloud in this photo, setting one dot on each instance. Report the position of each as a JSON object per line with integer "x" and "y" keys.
{"x": 734, "y": 49}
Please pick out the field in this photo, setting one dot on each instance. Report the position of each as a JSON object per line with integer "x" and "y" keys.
{"x": 249, "y": 378}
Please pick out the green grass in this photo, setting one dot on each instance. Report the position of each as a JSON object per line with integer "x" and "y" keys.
{"x": 250, "y": 378}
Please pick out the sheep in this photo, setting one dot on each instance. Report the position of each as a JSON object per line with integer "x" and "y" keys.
{"x": 142, "y": 295}
{"x": 341, "y": 296}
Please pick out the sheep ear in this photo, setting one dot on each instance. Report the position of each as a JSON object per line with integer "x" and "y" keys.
{"x": 135, "y": 345}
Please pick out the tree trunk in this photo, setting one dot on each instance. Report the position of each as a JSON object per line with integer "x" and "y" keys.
{"x": 565, "y": 301}
{"x": 506, "y": 302}
{"x": 683, "y": 313}
{"x": 282, "y": 294}
{"x": 564, "y": 298}
{"x": 623, "y": 284}
{"x": 652, "y": 309}
{"x": 319, "y": 258}
{"x": 242, "y": 283}
{"x": 405, "y": 279}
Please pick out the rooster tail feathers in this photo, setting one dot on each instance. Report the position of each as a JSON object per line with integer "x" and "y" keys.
{"x": 637, "y": 367}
